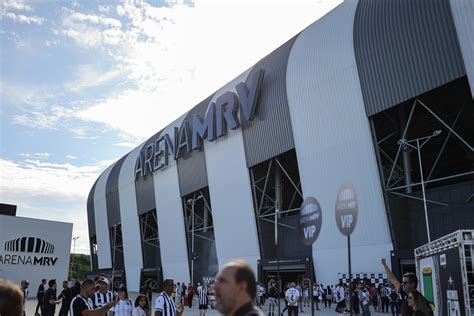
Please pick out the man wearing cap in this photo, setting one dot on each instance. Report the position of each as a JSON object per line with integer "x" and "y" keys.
{"x": 24, "y": 289}
{"x": 49, "y": 300}
{"x": 103, "y": 296}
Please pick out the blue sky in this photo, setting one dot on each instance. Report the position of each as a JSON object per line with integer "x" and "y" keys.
{"x": 83, "y": 82}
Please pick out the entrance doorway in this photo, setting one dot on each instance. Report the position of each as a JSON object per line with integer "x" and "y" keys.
{"x": 295, "y": 270}
{"x": 286, "y": 277}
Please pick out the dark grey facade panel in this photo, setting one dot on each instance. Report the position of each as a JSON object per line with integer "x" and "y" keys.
{"x": 192, "y": 171}
{"x": 144, "y": 186}
{"x": 90, "y": 210}
{"x": 270, "y": 133}
{"x": 403, "y": 49}
{"x": 112, "y": 194}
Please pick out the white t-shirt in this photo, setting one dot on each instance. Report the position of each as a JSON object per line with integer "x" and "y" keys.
{"x": 339, "y": 293}
{"x": 123, "y": 308}
{"x": 292, "y": 295}
{"x": 138, "y": 311}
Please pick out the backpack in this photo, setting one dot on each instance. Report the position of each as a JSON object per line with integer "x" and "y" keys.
{"x": 394, "y": 296}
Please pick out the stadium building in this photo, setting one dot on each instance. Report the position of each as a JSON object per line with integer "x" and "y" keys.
{"x": 376, "y": 93}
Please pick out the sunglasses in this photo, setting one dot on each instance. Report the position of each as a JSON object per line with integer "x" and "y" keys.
{"x": 410, "y": 297}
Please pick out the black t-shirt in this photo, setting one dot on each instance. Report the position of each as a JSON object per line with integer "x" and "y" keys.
{"x": 404, "y": 308}
{"x": 272, "y": 292}
{"x": 48, "y": 308}
{"x": 80, "y": 303}
{"x": 249, "y": 310}
{"x": 75, "y": 291}
{"x": 66, "y": 298}
{"x": 40, "y": 292}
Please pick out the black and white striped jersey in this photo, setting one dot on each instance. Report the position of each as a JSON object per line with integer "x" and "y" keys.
{"x": 203, "y": 296}
{"x": 165, "y": 305}
{"x": 100, "y": 299}
{"x": 80, "y": 303}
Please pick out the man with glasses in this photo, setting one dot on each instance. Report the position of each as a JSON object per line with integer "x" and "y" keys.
{"x": 407, "y": 287}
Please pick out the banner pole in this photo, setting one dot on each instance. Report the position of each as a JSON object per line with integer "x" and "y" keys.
{"x": 350, "y": 272}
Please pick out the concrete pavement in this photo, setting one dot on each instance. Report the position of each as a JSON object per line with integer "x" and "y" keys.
{"x": 194, "y": 311}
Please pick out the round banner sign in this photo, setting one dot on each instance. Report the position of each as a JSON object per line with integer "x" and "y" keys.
{"x": 346, "y": 208}
{"x": 310, "y": 220}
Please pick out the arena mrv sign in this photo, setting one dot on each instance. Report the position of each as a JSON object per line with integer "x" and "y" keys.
{"x": 28, "y": 251}
{"x": 34, "y": 249}
{"x": 220, "y": 116}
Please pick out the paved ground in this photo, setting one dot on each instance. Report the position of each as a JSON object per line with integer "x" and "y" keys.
{"x": 31, "y": 305}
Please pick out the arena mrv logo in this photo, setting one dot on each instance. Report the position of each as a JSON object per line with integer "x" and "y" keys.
{"x": 14, "y": 249}
{"x": 220, "y": 116}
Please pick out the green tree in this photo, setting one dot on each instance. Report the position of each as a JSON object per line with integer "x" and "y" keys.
{"x": 80, "y": 265}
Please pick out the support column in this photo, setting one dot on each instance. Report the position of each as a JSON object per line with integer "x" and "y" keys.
{"x": 405, "y": 152}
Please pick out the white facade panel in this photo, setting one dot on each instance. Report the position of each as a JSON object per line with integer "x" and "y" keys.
{"x": 104, "y": 254}
{"x": 233, "y": 215}
{"x": 132, "y": 248}
{"x": 463, "y": 14}
{"x": 333, "y": 143}
{"x": 169, "y": 209}
{"x": 19, "y": 263}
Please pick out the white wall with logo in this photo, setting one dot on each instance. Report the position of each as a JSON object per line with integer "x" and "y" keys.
{"x": 27, "y": 258}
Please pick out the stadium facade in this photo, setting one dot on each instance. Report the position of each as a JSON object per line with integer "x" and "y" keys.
{"x": 329, "y": 106}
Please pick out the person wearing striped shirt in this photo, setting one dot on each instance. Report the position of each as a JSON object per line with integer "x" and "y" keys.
{"x": 82, "y": 305}
{"x": 203, "y": 300}
{"x": 164, "y": 304}
{"x": 103, "y": 296}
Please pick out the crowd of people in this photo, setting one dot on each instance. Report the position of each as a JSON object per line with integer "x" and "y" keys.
{"x": 234, "y": 292}
{"x": 395, "y": 297}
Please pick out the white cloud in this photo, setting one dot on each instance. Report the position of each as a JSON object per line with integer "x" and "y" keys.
{"x": 138, "y": 113}
{"x": 35, "y": 155}
{"x": 35, "y": 178}
{"x": 49, "y": 43}
{"x": 16, "y": 5}
{"x": 170, "y": 58}
{"x": 75, "y": 17}
{"x": 88, "y": 77}
{"x": 51, "y": 191}
{"x": 20, "y": 18}
{"x": 126, "y": 145}
{"x": 44, "y": 118}
{"x": 71, "y": 157}
{"x": 28, "y": 97}
{"x": 105, "y": 9}
{"x": 176, "y": 56}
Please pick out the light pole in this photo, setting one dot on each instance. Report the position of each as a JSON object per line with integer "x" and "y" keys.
{"x": 73, "y": 252}
{"x": 420, "y": 142}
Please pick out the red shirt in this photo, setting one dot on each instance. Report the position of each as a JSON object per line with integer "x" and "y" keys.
{"x": 373, "y": 291}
